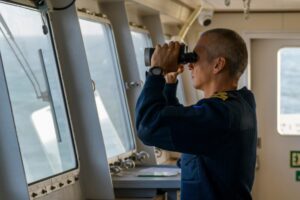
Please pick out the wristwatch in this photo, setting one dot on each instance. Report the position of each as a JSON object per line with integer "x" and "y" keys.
{"x": 156, "y": 71}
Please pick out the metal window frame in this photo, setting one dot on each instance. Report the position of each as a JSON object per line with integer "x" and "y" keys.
{"x": 101, "y": 20}
{"x": 252, "y": 35}
{"x": 140, "y": 30}
{"x": 279, "y": 91}
{"x": 55, "y": 182}
{"x": 94, "y": 169}
{"x": 22, "y": 3}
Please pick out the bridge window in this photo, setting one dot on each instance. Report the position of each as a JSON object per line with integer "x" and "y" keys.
{"x": 141, "y": 40}
{"x": 289, "y": 91}
{"x": 109, "y": 91}
{"x": 36, "y": 95}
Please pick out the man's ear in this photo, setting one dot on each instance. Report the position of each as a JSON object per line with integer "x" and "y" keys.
{"x": 219, "y": 65}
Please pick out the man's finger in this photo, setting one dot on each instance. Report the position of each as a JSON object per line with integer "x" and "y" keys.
{"x": 177, "y": 44}
{"x": 165, "y": 45}
{"x": 172, "y": 44}
{"x": 180, "y": 69}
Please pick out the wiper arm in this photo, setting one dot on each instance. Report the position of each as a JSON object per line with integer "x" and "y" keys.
{"x": 25, "y": 66}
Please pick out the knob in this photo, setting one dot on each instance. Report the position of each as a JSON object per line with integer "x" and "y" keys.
{"x": 129, "y": 163}
{"x": 34, "y": 194}
{"x": 142, "y": 155}
{"x": 115, "y": 169}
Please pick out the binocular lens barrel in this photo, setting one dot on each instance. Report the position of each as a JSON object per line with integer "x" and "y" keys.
{"x": 183, "y": 57}
{"x": 148, "y": 55}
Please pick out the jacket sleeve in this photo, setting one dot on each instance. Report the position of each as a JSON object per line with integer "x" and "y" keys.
{"x": 195, "y": 129}
{"x": 170, "y": 94}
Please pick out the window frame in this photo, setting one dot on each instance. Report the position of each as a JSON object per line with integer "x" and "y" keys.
{"x": 102, "y": 20}
{"x": 22, "y": 3}
{"x": 249, "y": 37}
{"x": 180, "y": 89}
{"x": 279, "y": 78}
{"x": 67, "y": 177}
{"x": 140, "y": 30}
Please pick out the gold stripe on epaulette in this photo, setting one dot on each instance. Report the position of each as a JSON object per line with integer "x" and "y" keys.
{"x": 221, "y": 95}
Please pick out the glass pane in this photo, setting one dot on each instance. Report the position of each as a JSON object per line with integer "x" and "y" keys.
{"x": 109, "y": 93}
{"x": 140, "y": 42}
{"x": 289, "y": 91}
{"x": 35, "y": 92}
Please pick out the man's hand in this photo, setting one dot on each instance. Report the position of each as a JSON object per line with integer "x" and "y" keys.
{"x": 166, "y": 57}
{"x": 171, "y": 77}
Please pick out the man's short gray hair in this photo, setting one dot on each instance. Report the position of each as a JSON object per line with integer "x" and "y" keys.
{"x": 230, "y": 45}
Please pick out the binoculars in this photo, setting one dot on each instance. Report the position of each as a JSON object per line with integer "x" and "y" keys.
{"x": 183, "y": 57}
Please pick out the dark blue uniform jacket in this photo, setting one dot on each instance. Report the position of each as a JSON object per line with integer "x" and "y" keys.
{"x": 217, "y": 137}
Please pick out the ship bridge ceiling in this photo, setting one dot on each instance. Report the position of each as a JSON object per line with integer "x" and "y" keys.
{"x": 178, "y": 11}
{"x": 256, "y": 5}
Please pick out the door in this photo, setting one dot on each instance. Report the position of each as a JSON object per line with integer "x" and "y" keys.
{"x": 275, "y": 179}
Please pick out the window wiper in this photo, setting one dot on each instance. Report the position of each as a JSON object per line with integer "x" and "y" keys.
{"x": 54, "y": 115}
{"x": 9, "y": 38}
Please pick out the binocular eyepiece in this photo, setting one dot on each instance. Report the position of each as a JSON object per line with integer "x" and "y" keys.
{"x": 183, "y": 57}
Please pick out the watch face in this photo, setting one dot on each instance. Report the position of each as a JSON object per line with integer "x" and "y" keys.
{"x": 156, "y": 71}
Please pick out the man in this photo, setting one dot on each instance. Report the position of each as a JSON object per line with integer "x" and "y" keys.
{"x": 217, "y": 135}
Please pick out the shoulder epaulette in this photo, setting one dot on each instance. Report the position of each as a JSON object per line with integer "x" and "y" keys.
{"x": 221, "y": 95}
